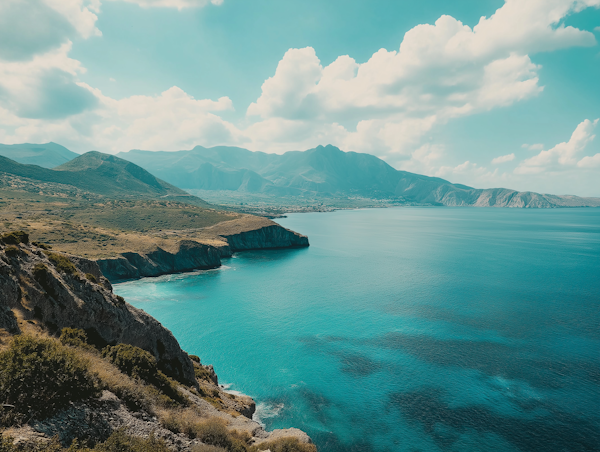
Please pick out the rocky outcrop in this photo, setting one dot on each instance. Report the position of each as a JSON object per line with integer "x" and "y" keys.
{"x": 247, "y": 233}
{"x": 52, "y": 289}
{"x": 189, "y": 255}
{"x": 267, "y": 237}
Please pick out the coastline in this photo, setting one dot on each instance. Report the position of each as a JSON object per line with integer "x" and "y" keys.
{"x": 224, "y": 239}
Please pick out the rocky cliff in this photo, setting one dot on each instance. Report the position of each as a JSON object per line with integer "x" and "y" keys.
{"x": 189, "y": 255}
{"x": 56, "y": 290}
{"x": 247, "y": 233}
{"x": 43, "y": 291}
{"x": 267, "y": 237}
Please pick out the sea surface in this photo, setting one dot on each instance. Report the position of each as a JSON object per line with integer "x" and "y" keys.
{"x": 407, "y": 329}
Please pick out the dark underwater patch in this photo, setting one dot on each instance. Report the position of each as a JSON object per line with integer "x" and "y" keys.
{"x": 356, "y": 364}
{"x": 491, "y": 358}
{"x": 557, "y": 432}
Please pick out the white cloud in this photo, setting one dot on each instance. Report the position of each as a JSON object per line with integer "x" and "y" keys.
{"x": 172, "y": 120}
{"x": 80, "y": 13}
{"x": 564, "y": 154}
{"x": 503, "y": 159}
{"x": 179, "y": 4}
{"x": 590, "y": 161}
{"x": 533, "y": 147}
{"x": 441, "y": 71}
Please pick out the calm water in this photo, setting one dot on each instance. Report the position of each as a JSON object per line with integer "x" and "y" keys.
{"x": 408, "y": 329}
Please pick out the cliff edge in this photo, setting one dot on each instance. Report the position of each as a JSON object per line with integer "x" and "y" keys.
{"x": 42, "y": 292}
{"x": 200, "y": 248}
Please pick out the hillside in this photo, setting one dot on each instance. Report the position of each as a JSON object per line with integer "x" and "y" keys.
{"x": 133, "y": 224}
{"x": 104, "y": 175}
{"x": 327, "y": 172}
{"x": 46, "y": 155}
{"x": 77, "y": 362}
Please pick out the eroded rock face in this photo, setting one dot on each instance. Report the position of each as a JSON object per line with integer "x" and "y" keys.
{"x": 190, "y": 255}
{"x": 273, "y": 236}
{"x": 250, "y": 234}
{"x": 34, "y": 289}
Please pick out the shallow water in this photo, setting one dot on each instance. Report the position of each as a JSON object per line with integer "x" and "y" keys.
{"x": 407, "y": 329}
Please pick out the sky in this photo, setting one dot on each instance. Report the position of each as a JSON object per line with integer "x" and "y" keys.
{"x": 480, "y": 92}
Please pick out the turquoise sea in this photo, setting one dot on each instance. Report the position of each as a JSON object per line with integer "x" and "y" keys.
{"x": 407, "y": 329}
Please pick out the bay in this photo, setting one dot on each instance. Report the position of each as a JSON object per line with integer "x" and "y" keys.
{"x": 407, "y": 329}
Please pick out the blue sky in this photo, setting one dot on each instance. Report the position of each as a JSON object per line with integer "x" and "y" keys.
{"x": 485, "y": 93}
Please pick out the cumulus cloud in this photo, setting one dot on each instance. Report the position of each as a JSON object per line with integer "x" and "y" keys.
{"x": 590, "y": 161}
{"x": 440, "y": 71}
{"x": 45, "y": 86}
{"x": 170, "y": 121}
{"x": 564, "y": 154}
{"x": 503, "y": 159}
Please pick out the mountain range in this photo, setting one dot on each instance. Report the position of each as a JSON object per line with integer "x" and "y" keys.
{"x": 327, "y": 171}
{"x": 324, "y": 171}
{"x": 101, "y": 174}
{"x": 47, "y": 155}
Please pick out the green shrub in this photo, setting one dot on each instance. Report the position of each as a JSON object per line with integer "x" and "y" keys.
{"x": 202, "y": 373}
{"x": 11, "y": 251}
{"x": 285, "y": 445}
{"x": 74, "y": 337}
{"x": 41, "y": 245}
{"x": 195, "y": 358}
{"x": 62, "y": 263}
{"x": 138, "y": 363}
{"x": 132, "y": 360}
{"x": 41, "y": 376}
{"x": 214, "y": 433}
{"x": 91, "y": 278}
{"x": 15, "y": 237}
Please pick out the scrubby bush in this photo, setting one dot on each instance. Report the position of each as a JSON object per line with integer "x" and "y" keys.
{"x": 195, "y": 358}
{"x": 212, "y": 431}
{"x": 74, "y": 337}
{"x": 91, "y": 278}
{"x": 285, "y": 445}
{"x": 138, "y": 363}
{"x": 41, "y": 245}
{"x": 41, "y": 376}
{"x": 132, "y": 360}
{"x": 11, "y": 251}
{"x": 62, "y": 263}
{"x": 15, "y": 237}
{"x": 202, "y": 373}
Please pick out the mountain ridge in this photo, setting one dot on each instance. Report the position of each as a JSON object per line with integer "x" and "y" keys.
{"x": 47, "y": 155}
{"x": 104, "y": 175}
{"x": 328, "y": 171}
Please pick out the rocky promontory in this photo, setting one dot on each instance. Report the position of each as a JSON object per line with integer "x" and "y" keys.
{"x": 201, "y": 249}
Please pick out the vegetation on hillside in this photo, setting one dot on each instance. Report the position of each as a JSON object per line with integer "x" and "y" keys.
{"x": 40, "y": 376}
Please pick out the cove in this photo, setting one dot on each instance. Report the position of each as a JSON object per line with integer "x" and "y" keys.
{"x": 406, "y": 329}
